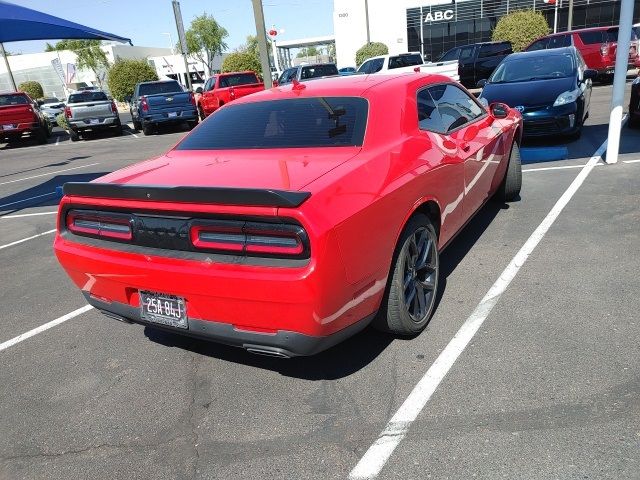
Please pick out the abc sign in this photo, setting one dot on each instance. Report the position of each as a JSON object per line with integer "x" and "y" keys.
{"x": 438, "y": 16}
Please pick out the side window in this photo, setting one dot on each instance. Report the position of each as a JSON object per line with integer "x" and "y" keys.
{"x": 428, "y": 116}
{"x": 376, "y": 65}
{"x": 591, "y": 38}
{"x": 456, "y": 107}
{"x": 209, "y": 85}
{"x": 538, "y": 45}
{"x": 486, "y": 51}
{"x": 466, "y": 53}
{"x": 450, "y": 55}
{"x": 559, "y": 41}
{"x": 365, "y": 67}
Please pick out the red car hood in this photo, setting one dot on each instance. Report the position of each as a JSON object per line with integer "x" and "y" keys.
{"x": 285, "y": 169}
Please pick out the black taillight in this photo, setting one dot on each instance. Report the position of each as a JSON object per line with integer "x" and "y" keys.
{"x": 99, "y": 224}
{"x": 251, "y": 238}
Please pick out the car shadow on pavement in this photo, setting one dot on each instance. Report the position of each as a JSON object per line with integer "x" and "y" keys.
{"x": 42, "y": 195}
{"x": 49, "y": 165}
{"x": 340, "y": 361}
{"x": 354, "y": 353}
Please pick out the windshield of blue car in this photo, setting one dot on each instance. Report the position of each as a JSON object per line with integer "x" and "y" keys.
{"x": 290, "y": 123}
{"x": 530, "y": 68}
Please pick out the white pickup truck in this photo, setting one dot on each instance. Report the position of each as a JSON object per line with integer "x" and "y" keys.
{"x": 408, "y": 62}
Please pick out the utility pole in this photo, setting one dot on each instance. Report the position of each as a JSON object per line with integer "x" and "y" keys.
{"x": 619, "y": 80}
{"x": 9, "y": 72}
{"x": 183, "y": 39}
{"x": 261, "y": 31}
{"x": 570, "y": 22}
{"x": 366, "y": 15}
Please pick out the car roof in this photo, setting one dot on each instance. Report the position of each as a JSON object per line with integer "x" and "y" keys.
{"x": 342, "y": 86}
{"x": 543, "y": 53}
{"x": 579, "y": 30}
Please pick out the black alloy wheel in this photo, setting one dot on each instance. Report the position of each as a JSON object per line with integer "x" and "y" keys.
{"x": 419, "y": 274}
{"x": 411, "y": 293}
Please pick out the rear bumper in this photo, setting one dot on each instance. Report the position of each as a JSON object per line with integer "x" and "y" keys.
{"x": 18, "y": 129}
{"x": 164, "y": 118}
{"x": 98, "y": 124}
{"x": 281, "y": 343}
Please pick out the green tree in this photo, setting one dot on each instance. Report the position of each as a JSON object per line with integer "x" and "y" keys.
{"x": 32, "y": 88}
{"x": 371, "y": 49}
{"x": 88, "y": 52}
{"x": 241, "y": 61}
{"x": 123, "y": 76}
{"x": 251, "y": 46}
{"x": 307, "y": 52}
{"x": 521, "y": 28}
{"x": 205, "y": 39}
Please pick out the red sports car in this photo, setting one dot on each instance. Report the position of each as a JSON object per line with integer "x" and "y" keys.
{"x": 290, "y": 219}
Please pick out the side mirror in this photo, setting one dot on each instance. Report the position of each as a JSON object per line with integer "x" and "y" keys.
{"x": 127, "y": 99}
{"x": 499, "y": 110}
{"x": 590, "y": 74}
{"x": 40, "y": 102}
{"x": 199, "y": 90}
{"x": 481, "y": 83}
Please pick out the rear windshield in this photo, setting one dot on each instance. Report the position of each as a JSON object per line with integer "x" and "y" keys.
{"x": 87, "y": 97}
{"x": 291, "y": 123}
{"x": 238, "y": 79}
{"x": 159, "y": 88}
{"x": 317, "y": 71}
{"x": 13, "y": 100}
{"x": 404, "y": 61}
{"x": 527, "y": 68}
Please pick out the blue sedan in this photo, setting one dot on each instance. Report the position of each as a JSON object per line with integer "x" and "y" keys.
{"x": 550, "y": 88}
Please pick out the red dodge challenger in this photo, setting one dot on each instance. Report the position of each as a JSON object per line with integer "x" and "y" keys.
{"x": 290, "y": 219}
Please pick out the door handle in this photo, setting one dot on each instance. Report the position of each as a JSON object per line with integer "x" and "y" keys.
{"x": 465, "y": 147}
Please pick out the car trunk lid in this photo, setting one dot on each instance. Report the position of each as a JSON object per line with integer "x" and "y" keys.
{"x": 82, "y": 111}
{"x": 286, "y": 169}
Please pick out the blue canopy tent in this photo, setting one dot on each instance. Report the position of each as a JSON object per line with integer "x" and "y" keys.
{"x": 19, "y": 23}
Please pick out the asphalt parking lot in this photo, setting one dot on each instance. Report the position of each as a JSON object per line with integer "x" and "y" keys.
{"x": 548, "y": 388}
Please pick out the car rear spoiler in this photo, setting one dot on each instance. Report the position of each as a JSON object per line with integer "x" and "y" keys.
{"x": 213, "y": 195}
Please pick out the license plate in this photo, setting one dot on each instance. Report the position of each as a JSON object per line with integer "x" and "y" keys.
{"x": 94, "y": 121}
{"x": 172, "y": 114}
{"x": 164, "y": 309}
{"x": 8, "y": 127}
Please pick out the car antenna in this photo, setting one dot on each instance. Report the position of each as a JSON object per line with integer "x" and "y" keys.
{"x": 297, "y": 85}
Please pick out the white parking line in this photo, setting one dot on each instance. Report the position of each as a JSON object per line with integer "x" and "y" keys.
{"x": 26, "y": 239}
{"x": 57, "y": 141}
{"x": 50, "y": 173}
{"x": 630, "y": 161}
{"x": 42, "y": 328}
{"x": 131, "y": 133}
{"x": 378, "y": 454}
{"x": 563, "y": 167}
{"x": 22, "y": 215}
{"x": 27, "y": 199}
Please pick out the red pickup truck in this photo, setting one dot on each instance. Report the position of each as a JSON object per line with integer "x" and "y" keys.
{"x": 19, "y": 115}
{"x": 224, "y": 88}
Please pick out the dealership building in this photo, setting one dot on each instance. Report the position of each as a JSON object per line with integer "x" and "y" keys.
{"x": 434, "y": 26}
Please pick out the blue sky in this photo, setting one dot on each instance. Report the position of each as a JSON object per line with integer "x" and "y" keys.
{"x": 144, "y": 20}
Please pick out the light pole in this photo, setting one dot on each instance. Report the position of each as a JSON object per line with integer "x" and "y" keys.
{"x": 570, "y": 22}
{"x": 619, "y": 80}
{"x": 258, "y": 15}
{"x": 182, "y": 38}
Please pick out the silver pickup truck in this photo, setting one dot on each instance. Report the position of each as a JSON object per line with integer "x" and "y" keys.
{"x": 91, "y": 111}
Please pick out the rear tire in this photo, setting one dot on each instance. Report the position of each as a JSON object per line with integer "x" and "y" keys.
{"x": 41, "y": 136}
{"x": 147, "y": 129}
{"x": 117, "y": 131}
{"x": 512, "y": 183}
{"x": 201, "y": 113}
{"x": 192, "y": 125}
{"x": 633, "y": 121}
{"x": 413, "y": 283}
{"x": 74, "y": 136}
